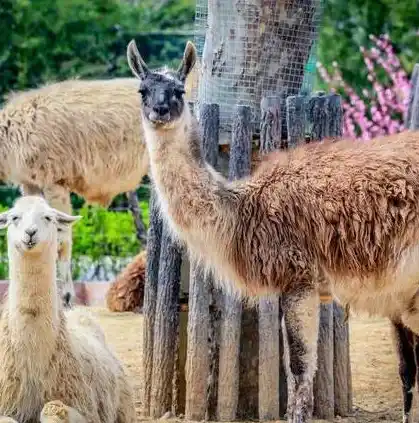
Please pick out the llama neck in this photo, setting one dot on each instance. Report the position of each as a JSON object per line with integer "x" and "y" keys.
{"x": 195, "y": 200}
{"x": 33, "y": 306}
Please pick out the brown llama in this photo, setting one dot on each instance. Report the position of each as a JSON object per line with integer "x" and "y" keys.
{"x": 347, "y": 210}
{"x": 127, "y": 291}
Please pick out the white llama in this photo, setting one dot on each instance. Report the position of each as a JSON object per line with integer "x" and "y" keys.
{"x": 46, "y": 354}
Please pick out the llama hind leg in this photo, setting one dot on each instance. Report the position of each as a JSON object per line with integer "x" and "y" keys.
{"x": 57, "y": 412}
{"x": 300, "y": 329}
{"x": 404, "y": 340}
{"x": 126, "y": 410}
{"x": 59, "y": 198}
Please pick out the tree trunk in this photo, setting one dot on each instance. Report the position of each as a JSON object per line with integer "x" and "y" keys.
{"x": 255, "y": 48}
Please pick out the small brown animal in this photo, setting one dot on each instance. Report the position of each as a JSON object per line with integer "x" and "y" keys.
{"x": 127, "y": 291}
{"x": 346, "y": 211}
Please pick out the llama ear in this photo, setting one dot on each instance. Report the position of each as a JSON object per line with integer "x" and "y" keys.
{"x": 135, "y": 61}
{"x": 64, "y": 220}
{"x": 188, "y": 62}
{"x": 4, "y": 219}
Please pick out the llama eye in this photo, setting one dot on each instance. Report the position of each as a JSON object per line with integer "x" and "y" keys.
{"x": 15, "y": 218}
{"x": 47, "y": 218}
{"x": 179, "y": 92}
{"x": 143, "y": 91}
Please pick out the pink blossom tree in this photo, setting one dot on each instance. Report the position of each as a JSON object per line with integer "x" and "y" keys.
{"x": 380, "y": 109}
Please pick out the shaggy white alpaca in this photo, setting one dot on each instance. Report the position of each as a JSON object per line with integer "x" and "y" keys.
{"x": 54, "y": 365}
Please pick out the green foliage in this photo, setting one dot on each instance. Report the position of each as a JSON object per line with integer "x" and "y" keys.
{"x": 347, "y": 25}
{"x": 52, "y": 40}
{"x": 98, "y": 234}
{"x": 104, "y": 233}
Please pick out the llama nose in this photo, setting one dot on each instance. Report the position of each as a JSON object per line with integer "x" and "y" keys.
{"x": 31, "y": 232}
{"x": 161, "y": 109}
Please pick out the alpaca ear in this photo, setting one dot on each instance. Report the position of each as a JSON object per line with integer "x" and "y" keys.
{"x": 135, "y": 61}
{"x": 4, "y": 219}
{"x": 188, "y": 62}
{"x": 65, "y": 220}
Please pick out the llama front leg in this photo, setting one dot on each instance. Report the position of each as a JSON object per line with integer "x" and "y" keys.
{"x": 58, "y": 412}
{"x": 126, "y": 409}
{"x": 404, "y": 341}
{"x": 300, "y": 328}
{"x": 59, "y": 198}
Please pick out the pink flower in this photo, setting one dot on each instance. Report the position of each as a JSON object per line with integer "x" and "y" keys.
{"x": 382, "y": 108}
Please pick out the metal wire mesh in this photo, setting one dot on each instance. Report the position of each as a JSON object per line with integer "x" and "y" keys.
{"x": 252, "y": 48}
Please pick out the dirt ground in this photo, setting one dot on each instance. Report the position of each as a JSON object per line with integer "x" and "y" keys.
{"x": 377, "y": 394}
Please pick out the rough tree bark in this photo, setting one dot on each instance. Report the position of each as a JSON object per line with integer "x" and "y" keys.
{"x": 199, "y": 321}
{"x": 317, "y": 117}
{"x": 269, "y": 324}
{"x": 255, "y": 48}
{"x": 412, "y": 119}
{"x": 165, "y": 325}
{"x": 323, "y": 380}
{"x": 229, "y": 363}
{"x": 150, "y": 295}
{"x": 296, "y": 120}
{"x": 136, "y": 213}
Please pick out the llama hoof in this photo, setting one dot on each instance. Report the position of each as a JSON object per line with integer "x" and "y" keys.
{"x": 55, "y": 412}
{"x": 5, "y": 419}
{"x": 407, "y": 418}
{"x": 302, "y": 409}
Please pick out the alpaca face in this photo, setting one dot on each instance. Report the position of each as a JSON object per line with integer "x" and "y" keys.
{"x": 161, "y": 91}
{"x": 32, "y": 225}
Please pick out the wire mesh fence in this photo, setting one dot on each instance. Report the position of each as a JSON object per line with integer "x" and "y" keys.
{"x": 253, "y": 48}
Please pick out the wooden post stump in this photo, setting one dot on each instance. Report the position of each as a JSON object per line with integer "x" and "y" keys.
{"x": 150, "y": 295}
{"x": 165, "y": 325}
{"x": 229, "y": 364}
{"x": 412, "y": 119}
{"x": 200, "y": 293}
{"x": 269, "y": 309}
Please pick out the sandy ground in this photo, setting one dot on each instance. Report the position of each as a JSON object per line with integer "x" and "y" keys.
{"x": 377, "y": 395}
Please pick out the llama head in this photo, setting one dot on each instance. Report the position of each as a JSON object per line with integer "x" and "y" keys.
{"x": 162, "y": 91}
{"x": 32, "y": 225}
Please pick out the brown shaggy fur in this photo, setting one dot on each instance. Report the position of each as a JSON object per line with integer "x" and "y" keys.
{"x": 127, "y": 291}
{"x": 342, "y": 214}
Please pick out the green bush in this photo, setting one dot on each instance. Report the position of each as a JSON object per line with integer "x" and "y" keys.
{"x": 99, "y": 234}
{"x": 52, "y": 40}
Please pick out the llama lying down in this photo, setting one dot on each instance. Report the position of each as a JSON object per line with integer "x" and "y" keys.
{"x": 347, "y": 210}
{"x": 55, "y": 365}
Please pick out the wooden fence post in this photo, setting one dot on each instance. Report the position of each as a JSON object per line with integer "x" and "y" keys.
{"x": 199, "y": 319}
{"x": 150, "y": 295}
{"x": 228, "y": 381}
{"x": 269, "y": 324}
{"x": 296, "y": 119}
{"x": 323, "y": 381}
{"x": 165, "y": 326}
{"x": 412, "y": 119}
